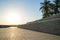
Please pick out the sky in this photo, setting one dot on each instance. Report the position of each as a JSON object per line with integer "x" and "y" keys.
{"x": 28, "y": 10}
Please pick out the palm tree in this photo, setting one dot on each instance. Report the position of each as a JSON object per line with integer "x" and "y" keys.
{"x": 45, "y": 8}
{"x": 56, "y": 6}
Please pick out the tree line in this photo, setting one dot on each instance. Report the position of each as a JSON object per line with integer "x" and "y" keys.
{"x": 50, "y": 8}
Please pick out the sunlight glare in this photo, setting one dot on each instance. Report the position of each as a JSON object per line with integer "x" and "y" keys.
{"x": 12, "y": 18}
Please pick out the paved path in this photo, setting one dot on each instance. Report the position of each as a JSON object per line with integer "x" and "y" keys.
{"x": 14, "y": 33}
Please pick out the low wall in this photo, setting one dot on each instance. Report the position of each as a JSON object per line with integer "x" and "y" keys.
{"x": 51, "y": 27}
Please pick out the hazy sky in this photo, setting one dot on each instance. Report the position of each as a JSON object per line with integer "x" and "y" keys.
{"x": 27, "y": 9}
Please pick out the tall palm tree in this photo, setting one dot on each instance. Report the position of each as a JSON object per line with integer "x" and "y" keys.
{"x": 56, "y": 6}
{"x": 45, "y": 8}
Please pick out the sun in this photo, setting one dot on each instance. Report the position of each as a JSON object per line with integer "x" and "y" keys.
{"x": 13, "y": 18}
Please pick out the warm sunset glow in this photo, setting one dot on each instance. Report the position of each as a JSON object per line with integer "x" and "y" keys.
{"x": 13, "y": 18}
